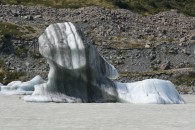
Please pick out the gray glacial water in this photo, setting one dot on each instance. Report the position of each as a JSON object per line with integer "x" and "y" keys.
{"x": 20, "y": 115}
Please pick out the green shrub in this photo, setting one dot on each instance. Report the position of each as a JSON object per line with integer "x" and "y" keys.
{"x": 13, "y": 30}
{"x": 6, "y": 76}
{"x": 9, "y": 29}
{"x": 21, "y": 51}
{"x": 36, "y": 55}
{"x": 1, "y": 63}
{"x": 184, "y": 78}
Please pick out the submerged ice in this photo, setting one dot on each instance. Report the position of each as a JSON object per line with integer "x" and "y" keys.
{"x": 78, "y": 73}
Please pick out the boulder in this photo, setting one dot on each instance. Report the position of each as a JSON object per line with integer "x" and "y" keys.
{"x": 165, "y": 66}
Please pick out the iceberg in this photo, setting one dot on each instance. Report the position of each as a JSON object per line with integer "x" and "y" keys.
{"x": 151, "y": 91}
{"x": 78, "y": 73}
{"x": 18, "y": 87}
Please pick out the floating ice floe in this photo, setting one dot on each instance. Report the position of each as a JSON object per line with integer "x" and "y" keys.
{"x": 18, "y": 87}
{"x": 149, "y": 91}
{"x": 78, "y": 73}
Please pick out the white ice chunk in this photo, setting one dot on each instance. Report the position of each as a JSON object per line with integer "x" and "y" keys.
{"x": 29, "y": 85}
{"x": 11, "y": 86}
{"x": 149, "y": 91}
{"x": 18, "y": 87}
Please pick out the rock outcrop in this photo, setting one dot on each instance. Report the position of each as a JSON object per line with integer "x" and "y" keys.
{"x": 79, "y": 74}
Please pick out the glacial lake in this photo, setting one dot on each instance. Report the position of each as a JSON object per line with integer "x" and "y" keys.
{"x": 20, "y": 115}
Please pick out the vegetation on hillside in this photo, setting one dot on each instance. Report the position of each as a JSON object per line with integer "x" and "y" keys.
{"x": 10, "y": 29}
{"x": 8, "y": 76}
{"x": 155, "y": 6}
{"x": 61, "y": 3}
{"x": 139, "y": 6}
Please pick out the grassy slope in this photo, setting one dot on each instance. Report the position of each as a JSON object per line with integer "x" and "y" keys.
{"x": 15, "y": 30}
{"x": 155, "y": 6}
{"x": 140, "y": 6}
